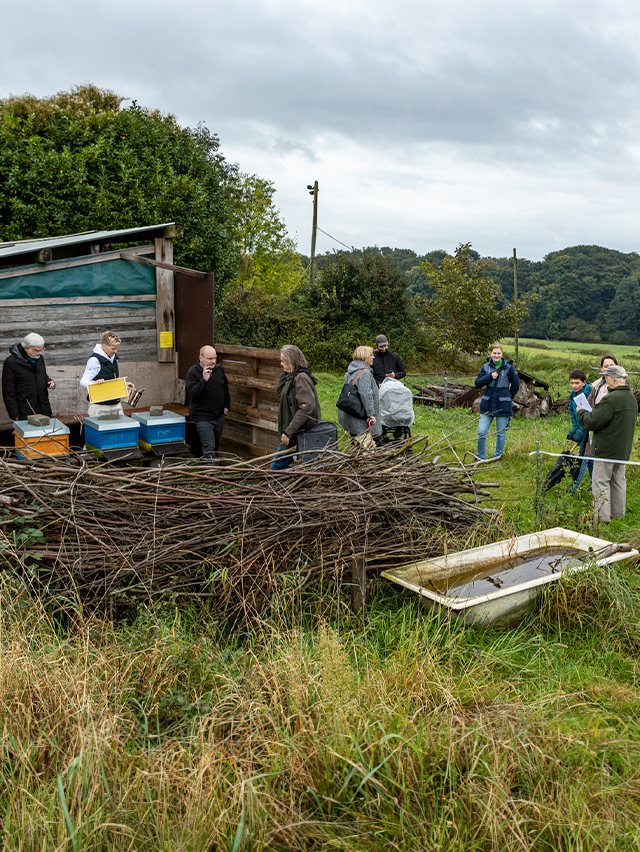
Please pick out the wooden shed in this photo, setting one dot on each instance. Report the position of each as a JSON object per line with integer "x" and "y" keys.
{"x": 70, "y": 289}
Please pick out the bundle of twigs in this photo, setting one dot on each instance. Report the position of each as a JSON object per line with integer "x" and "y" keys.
{"x": 223, "y": 532}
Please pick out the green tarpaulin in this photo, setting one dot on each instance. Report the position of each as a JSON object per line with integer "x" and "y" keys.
{"x": 111, "y": 277}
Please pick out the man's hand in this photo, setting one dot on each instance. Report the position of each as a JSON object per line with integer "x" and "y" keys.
{"x": 284, "y": 439}
{"x": 226, "y": 411}
{"x": 206, "y": 373}
{"x": 51, "y": 384}
{"x": 391, "y": 375}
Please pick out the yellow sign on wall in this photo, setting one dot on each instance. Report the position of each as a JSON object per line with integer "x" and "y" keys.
{"x": 166, "y": 340}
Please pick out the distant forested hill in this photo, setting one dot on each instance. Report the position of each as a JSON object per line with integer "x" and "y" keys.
{"x": 586, "y": 293}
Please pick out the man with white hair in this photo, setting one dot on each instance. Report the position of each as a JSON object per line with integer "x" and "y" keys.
{"x": 25, "y": 383}
{"x": 612, "y": 422}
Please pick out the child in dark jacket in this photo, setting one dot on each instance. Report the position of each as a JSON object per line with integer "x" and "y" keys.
{"x": 579, "y": 384}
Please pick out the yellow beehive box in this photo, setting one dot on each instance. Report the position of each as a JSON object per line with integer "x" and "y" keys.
{"x": 113, "y": 389}
{"x": 32, "y": 442}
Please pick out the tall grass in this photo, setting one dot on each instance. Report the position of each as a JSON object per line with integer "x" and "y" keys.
{"x": 406, "y": 733}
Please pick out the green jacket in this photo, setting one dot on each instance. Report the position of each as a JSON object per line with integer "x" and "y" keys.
{"x": 612, "y": 422}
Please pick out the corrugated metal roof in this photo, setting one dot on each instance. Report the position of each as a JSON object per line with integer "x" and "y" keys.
{"x": 26, "y": 246}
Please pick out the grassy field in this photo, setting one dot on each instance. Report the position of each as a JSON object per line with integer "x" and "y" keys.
{"x": 396, "y": 730}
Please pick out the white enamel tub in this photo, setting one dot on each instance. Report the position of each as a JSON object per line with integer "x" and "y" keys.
{"x": 505, "y": 606}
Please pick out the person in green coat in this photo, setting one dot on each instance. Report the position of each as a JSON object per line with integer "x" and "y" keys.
{"x": 612, "y": 422}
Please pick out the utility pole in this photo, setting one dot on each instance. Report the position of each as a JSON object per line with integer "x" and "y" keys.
{"x": 515, "y": 292}
{"x": 313, "y": 190}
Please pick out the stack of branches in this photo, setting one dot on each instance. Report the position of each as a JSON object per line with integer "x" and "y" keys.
{"x": 230, "y": 533}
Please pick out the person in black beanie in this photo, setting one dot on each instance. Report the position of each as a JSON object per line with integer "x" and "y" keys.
{"x": 209, "y": 401}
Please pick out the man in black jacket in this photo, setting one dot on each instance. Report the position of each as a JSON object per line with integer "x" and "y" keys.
{"x": 385, "y": 362}
{"x": 209, "y": 401}
{"x": 25, "y": 383}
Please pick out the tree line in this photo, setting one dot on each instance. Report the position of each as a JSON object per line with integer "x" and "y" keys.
{"x": 584, "y": 293}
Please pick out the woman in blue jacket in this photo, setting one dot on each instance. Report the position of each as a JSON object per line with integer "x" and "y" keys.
{"x": 500, "y": 382}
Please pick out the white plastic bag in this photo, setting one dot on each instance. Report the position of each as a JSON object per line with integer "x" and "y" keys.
{"x": 396, "y": 404}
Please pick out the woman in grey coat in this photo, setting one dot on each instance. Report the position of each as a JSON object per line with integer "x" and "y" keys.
{"x": 368, "y": 390}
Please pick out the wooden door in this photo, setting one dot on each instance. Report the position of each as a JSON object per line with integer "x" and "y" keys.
{"x": 195, "y": 318}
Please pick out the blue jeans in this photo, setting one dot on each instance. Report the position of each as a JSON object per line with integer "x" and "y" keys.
{"x": 209, "y": 432}
{"x": 284, "y": 457}
{"x": 502, "y": 424}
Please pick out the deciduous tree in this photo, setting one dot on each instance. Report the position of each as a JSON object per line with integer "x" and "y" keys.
{"x": 462, "y": 314}
{"x": 78, "y": 161}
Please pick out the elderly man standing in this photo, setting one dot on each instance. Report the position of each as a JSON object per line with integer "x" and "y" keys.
{"x": 209, "y": 401}
{"x": 612, "y": 422}
{"x": 25, "y": 383}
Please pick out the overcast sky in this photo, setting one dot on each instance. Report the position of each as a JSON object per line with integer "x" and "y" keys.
{"x": 426, "y": 123}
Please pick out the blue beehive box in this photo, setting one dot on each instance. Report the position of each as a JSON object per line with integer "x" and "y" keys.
{"x": 166, "y": 428}
{"x": 111, "y": 434}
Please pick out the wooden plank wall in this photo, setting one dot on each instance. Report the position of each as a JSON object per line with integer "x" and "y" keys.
{"x": 253, "y": 376}
{"x": 71, "y": 330}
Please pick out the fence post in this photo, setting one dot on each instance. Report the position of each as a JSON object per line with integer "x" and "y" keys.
{"x": 358, "y": 583}
{"x": 538, "y": 482}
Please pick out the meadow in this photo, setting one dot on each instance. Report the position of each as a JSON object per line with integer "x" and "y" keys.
{"x": 320, "y": 729}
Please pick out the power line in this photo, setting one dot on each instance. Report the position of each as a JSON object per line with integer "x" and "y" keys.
{"x": 351, "y": 248}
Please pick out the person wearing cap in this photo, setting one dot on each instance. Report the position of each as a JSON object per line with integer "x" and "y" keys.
{"x": 25, "y": 383}
{"x": 385, "y": 362}
{"x": 612, "y": 422}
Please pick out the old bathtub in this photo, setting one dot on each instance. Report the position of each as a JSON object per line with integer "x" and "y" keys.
{"x": 497, "y": 583}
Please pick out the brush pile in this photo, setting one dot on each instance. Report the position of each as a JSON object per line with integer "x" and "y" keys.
{"x": 233, "y": 533}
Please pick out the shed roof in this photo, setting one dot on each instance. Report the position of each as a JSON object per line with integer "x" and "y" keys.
{"x": 31, "y": 247}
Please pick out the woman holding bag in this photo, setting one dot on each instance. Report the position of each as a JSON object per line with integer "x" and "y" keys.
{"x": 359, "y": 372}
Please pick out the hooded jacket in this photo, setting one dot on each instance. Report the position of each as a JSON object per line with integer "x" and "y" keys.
{"x": 577, "y": 433}
{"x": 370, "y": 396}
{"x": 24, "y": 385}
{"x": 100, "y": 366}
{"x": 302, "y": 400}
{"x": 387, "y": 362}
{"x": 498, "y": 393}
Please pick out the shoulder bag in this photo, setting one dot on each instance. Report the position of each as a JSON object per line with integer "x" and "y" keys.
{"x": 349, "y": 400}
